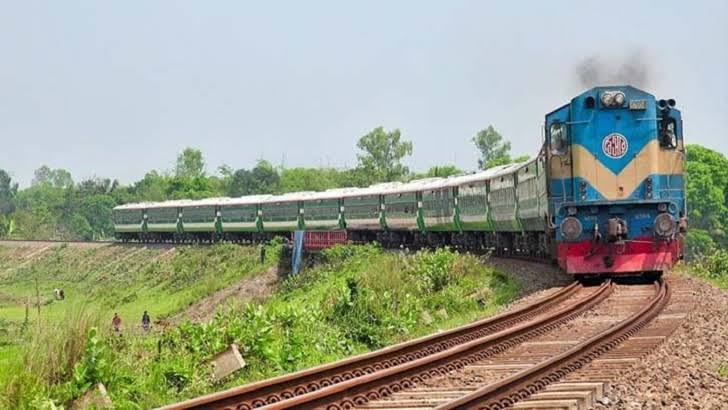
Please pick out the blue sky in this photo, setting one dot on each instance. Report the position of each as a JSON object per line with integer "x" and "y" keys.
{"x": 116, "y": 89}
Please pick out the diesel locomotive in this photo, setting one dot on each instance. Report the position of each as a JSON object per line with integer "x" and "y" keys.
{"x": 605, "y": 195}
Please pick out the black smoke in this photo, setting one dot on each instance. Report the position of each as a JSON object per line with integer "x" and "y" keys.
{"x": 632, "y": 69}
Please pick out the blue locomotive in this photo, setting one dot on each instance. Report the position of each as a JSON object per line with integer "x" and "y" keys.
{"x": 616, "y": 185}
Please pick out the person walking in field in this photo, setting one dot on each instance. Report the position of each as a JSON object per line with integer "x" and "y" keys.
{"x": 116, "y": 323}
{"x": 146, "y": 321}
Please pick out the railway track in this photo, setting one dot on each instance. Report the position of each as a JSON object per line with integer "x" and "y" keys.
{"x": 431, "y": 353}
{"x": 492, "y": 363}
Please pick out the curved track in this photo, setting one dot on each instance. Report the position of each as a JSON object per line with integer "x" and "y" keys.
{"x": 377, "y": 382}
{"x": 411, "y": 360}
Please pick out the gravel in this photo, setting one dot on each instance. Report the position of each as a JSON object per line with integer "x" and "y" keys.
{"x": 537, "y": 279}
{"x": 682, "y": 373}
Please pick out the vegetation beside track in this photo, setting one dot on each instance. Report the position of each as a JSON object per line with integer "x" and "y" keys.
{"x": 38, "y": 353}
{"x": 712, "y": 267}
{"x": 358, "y": 299}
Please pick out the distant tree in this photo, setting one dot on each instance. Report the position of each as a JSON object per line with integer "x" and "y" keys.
{"x": 190, "y": 163}
{"x": 382, "y": 155}
{"x": 226, "y": 171}
{"x": 96, "y": 210}
{"x": 58, "y": 178}
{"x": 707, "y": 193}
{"x": 263, "y": 179}
{"x": 153, "y": 187}
{"x": 309, "y": 179}
{"x": 8, "y": 190}
{"x": 521, "y": 158}
{"x": 493, "y": 150}
{"x": 4, "y": 226}
{"x": 96, "y": 186}
{"x": 443, "y": 171}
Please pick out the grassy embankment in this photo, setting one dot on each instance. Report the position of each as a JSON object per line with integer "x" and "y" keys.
{"x": 712, "y": 268}
{"x": 360, "y": 298}
{"x": 97, "y": 282}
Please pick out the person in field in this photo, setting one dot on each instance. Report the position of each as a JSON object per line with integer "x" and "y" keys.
{"x": 146, "y": 321}
{"x": 116, "y": 323}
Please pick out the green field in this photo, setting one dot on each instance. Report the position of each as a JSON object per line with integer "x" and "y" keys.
{"x": 113, "y": 278}
{"x": 357, "y": 299}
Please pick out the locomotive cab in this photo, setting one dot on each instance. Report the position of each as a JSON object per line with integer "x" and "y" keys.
{"x": 616, "y": 193}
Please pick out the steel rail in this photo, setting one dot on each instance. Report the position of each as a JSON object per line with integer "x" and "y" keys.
{"x": 519, "y": 386}
{"x": 308, "y": 380}
{"x": 379, "y": 383}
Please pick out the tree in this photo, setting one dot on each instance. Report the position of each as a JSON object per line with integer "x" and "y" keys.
{"x": 58, "y": 178}
{"x": 190, "y": 163}
{"x": 493, "y": 150}
{"x": 263, "y": 179}
{"x": 226, "y": 171}
{"x": 96, "y": 186}
{"x": 707, "y": 193}
{"x": 153, "y": 187}
{"x": 382, "y": 155}
{"x": 311, "y": 179}
{"x": 8, "y": 190}
{"x": 443, "y": 171}
{"x": 97, "y": 211}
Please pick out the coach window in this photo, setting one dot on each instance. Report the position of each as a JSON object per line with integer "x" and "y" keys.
{"x": 559, "y": 138}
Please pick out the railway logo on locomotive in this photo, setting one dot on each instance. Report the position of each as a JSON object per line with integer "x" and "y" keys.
{"x": 614, "y": 145}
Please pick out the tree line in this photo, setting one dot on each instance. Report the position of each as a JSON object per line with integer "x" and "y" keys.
{"x": 54, "y": 206}
{"x": 57, "y": 207}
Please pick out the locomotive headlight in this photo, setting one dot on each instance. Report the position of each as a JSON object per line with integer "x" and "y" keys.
{"x": 571, "y": 210}
{"x": 664, "y": 225}
{"x": 571, "y": 228}
{"x": 607, "y": 98}
{"x": 619, "y": 98}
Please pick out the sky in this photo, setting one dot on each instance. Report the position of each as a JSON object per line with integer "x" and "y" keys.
{"x": 115, "y": 89}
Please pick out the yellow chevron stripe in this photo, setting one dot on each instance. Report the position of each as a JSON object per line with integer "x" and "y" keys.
{"x": 650, "y": 160}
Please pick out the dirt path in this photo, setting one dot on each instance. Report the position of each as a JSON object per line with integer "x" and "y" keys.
{"x": 250, "y": 289}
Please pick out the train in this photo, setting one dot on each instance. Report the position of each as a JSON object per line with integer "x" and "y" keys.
{"x": 605, "y": 195}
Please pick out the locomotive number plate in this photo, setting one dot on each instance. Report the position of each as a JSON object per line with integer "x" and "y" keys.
{"x": 614, "y": 145}
{"x": 638, "y": 104}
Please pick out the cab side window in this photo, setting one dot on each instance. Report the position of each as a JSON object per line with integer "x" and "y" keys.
{"x": 668, "y": 133}
{"x": 558, "y": 133}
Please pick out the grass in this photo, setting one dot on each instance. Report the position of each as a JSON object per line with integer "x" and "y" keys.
{"x": 121, "y": 279}
{"x": 102, "y": 280}
{"x": 712, "y": 268}
{"x": 358, "y": 299}
{"x": 723, "y": 369}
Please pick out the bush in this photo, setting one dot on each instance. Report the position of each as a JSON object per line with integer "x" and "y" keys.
{"x": 713, "y": 267}
{"x": 698, "y": 243}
